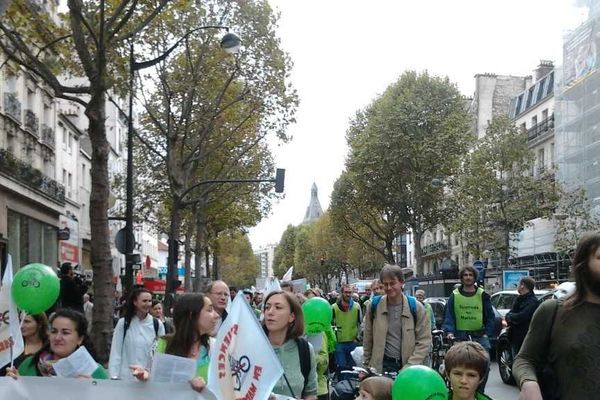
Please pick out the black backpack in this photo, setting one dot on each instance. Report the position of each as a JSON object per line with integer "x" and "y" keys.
{"x": 304, "y": 354}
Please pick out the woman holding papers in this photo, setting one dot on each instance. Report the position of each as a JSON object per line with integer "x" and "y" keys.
{"x": 284, "y": 325}
{"x": 135, "y": 336}
{"x": 68, "y": 330}
{"x": 194, "y": 318}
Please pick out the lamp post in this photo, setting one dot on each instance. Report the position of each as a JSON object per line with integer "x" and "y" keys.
{"x": 231, "y": 44}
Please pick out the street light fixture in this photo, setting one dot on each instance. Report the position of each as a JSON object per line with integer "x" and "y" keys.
{"x": 231, "y": 44}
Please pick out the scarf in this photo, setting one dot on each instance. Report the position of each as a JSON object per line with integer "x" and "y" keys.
{"x": 345, "y": 307}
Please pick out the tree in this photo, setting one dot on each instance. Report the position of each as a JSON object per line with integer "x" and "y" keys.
{"x": 494, "y": 194}
{"x": 354, "y": 214}
{"x": 415, "y": 132}
{"x": 575, "y": 218}
{"x": 284, "y": 252}
{"x": 209, "y": 114}
{"x": 238, "y": 264}
{"x": 89, "y": 42}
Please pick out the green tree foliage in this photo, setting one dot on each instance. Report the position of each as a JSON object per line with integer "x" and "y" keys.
{"x": 416, "y": 131}
{"x": 239, "y": 266}
{"x": 284, "y": 252}
{"x": 494, "y": 194}
{"x": 207, "y": 115}
{"x": 574, "y": 219}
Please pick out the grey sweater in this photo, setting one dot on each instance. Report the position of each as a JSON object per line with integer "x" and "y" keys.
{"x": 574, "y": 349}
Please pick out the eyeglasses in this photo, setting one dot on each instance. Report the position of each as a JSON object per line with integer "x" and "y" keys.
{"x": 221, "y": 294}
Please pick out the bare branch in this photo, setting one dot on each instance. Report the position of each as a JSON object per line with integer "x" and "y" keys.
{"x": 145, "y": 22}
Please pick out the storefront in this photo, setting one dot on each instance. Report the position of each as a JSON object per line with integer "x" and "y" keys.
{"x": 30, "y": 240}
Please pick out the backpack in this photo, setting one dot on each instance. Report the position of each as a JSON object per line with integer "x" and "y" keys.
{"x": 304, "y": 354}
{"x": 412, "y": 304}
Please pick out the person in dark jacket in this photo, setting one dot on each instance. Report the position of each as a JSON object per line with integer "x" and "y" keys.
{"x": 72, "y": 289}
{"x": 519, "y": 316}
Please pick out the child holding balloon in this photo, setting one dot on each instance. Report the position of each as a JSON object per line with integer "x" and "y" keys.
{"x": 466, "y": 364}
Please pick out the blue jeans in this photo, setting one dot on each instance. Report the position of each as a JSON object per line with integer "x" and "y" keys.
{"x": 343, "y": 358}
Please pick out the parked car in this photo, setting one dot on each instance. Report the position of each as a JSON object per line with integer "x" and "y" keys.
{"x": 438, "y": 305}
{"x": 504, "y": 300}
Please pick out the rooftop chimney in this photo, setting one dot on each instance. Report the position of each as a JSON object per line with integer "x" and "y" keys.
{"x": 545, "y": 67}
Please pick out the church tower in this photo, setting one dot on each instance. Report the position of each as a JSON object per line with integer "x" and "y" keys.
{"x": 314, "y": 210}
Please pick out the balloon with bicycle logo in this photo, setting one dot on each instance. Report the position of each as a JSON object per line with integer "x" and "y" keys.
{"x": 35, "y": 288}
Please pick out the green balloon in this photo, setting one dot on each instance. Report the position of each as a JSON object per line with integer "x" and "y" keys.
{"x": 419, "y": 382}
{"x": 317, "y": 315}
{"x": 35, "y": 288}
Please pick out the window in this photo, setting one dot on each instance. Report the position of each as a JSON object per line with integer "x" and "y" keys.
{"x": 70, "y": 185}
{"x": 534, "y": 121}
{"x": 540, "y": 91}
{"x": 540, "y": 160}
{"x": 63, "y": 133}
{"x": 529, "y": 97}
{"x": 551, "y": 83}
{"x": 11, "y": 83}
{"x": 83, "y": 175}
{"x": 30, "y": 100}
{"x": 551, "y": 155}
{"x": 544, "y": 114}
{"x": 519, "y": 104}
{"x": 523, "y": 127}
{"x": 64, "y": 177}
{"x": 70, "y": 143}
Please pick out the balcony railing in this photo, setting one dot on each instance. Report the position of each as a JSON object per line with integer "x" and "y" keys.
{"x": 32, "y": 122}
{"x": 435, "y": 248}
{"x": 12, "y": 106}
{"x": 541, "y": 128}
{"x": 48, "y": 137}
{"x": 31, "y": 177}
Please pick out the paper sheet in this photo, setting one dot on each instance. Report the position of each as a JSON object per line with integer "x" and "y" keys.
{"x": 172, "y": 369}
{"x": 78, "y": 363}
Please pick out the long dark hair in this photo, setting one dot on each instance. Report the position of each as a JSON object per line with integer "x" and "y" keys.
{"x": 185, "y": 318}
{"x": 581, "y": 270}
{"x": 130, "y": 307}
{"x": 42, "y": 326}
{"x": 296, "y": 328}
{"x": 81, "y": 326}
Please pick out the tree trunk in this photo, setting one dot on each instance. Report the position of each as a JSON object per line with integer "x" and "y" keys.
{"x": 188, "y": 256}
{"x": 200, "y": 248}
{"x": 100, "y": 237}
{"x": 417, "y": 236}
{"x": 388, "y": 251}
{"x": 173, "y": 254}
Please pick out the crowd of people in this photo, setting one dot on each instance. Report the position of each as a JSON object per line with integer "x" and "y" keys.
{"x": 555, "y": 343}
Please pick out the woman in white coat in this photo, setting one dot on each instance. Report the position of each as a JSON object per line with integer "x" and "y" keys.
{"x": 134, "y": 336}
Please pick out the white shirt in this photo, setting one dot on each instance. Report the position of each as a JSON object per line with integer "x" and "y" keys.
{"x": 135, "y": 349}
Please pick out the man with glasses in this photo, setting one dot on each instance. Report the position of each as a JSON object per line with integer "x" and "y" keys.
{"x": 397, "y": 330}
{"x": 347, "y": 317}
{"x": 218, "y": 292}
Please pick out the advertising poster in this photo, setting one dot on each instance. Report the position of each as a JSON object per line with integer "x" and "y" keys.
{"x": 510, "y": 279}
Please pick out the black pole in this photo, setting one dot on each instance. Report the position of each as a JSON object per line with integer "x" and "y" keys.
{"x": 127, "y": 282}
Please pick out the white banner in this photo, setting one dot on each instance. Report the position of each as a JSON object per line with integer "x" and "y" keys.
{"x": 288, "y": 275}
{"x": 243, "y": 364}
{"x": 27, "y": 388}
{"x": 10, "y": 330}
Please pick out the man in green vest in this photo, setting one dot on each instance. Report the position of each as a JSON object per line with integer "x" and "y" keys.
{"x": 469, "y": 313}
{"x": 347, "y": 318}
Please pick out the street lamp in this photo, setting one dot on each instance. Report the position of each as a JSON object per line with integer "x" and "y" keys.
{"x": 231, "y": 44}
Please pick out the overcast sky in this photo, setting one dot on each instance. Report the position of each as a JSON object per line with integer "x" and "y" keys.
{"x": 345, "y": 53}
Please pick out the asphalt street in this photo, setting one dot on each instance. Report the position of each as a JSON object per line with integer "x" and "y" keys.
{"x": 497, "y": 389}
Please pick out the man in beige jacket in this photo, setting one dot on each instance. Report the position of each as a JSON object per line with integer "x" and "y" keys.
{"x": 393, "y": 337}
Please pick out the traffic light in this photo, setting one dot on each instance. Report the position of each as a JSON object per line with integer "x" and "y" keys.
{"x": 279, "y": 180}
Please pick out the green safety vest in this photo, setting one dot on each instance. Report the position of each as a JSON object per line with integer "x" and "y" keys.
{"x": 468, "y": 311}
{"x": 347, "y": 321}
